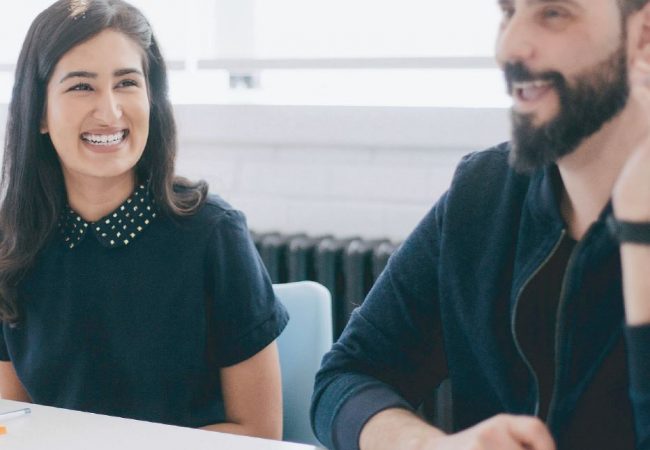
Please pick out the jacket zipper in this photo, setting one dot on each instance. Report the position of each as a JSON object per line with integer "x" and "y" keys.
{"x": 513, "y": 328}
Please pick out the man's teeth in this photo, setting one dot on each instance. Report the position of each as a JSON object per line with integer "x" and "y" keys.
{"x": 530, "y": 90}
{"x": 104, "y": 139}
{"x": 531, "y": 84}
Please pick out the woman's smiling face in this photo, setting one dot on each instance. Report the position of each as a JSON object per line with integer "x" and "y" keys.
{"x": 97, "y": 108}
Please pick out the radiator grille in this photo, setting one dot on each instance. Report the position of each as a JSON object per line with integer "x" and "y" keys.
{"x": 347, "y": 267}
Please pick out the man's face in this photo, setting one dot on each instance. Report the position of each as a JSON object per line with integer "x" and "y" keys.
{"x": 566, "y": 68}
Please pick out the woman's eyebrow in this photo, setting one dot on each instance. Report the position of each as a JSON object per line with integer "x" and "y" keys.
{"x": 86, "y": 74}
{"x": 78, "y": 74}
{"x": 127, "y": 71}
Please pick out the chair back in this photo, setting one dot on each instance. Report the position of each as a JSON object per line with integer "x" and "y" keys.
{"x": 302, "y": 344}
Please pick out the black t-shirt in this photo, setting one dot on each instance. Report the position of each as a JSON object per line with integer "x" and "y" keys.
{"x": 594, "y": 421}
{"x": 138, "y": 325}
{"x": 537, "y": 319}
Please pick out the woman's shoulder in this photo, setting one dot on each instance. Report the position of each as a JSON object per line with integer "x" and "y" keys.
{"x": 214, "y": 212}
{"x": 216, "y": 209}
{"x": 222, "y": 230}
{"x": 217, "y": 204}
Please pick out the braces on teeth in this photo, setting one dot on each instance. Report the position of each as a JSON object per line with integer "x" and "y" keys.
{"x": 105, "y": 139}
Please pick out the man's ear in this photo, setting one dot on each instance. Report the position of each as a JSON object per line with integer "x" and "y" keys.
{"x": 644, "y": 37}
{"x": 638, "y": 30}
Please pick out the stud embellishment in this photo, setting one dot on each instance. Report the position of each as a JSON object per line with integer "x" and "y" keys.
{"x": 119, "y": 228}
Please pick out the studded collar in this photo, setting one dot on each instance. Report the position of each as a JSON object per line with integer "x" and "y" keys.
{"x": 117, "y": 229}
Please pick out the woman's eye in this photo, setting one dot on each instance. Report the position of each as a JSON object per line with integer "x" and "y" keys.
{"x": 127, "y": 83}
{"x": 81, "y": 87}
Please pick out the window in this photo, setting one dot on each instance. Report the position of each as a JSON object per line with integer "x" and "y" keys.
{"x": 347, "y": 52}
{"x": 374, "y": 28}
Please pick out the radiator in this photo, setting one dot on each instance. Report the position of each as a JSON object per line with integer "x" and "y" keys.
{"x": 347, "y": 267}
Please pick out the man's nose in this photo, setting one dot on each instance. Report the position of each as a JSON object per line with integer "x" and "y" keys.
{"x": 515, "y": 42}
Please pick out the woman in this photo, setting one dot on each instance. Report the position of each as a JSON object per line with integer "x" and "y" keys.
{"x": 124, "y": 290}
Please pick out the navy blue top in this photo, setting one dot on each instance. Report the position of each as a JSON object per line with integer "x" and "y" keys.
{"x": 138, "y": 325}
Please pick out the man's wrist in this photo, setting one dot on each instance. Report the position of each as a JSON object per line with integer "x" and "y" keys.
{"x": 397, "y": 428}
{"x": 625, "y": 231}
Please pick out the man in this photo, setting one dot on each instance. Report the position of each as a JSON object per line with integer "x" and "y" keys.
{"x": 527, "y": 285}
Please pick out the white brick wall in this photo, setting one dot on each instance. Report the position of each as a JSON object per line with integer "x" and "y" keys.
{"x": 370, "y": 172}
{"x": 322, "y": 170}
{"x": 351, "y": 191}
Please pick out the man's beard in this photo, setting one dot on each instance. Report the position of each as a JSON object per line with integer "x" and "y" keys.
{"x": 594, "y": 98}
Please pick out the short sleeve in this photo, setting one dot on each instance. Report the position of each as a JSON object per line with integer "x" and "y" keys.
{"x": 4, "y": 352}
{"x": 243, "y": 314}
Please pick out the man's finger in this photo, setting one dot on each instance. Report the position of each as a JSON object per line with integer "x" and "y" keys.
{"x": 531, "y": 433}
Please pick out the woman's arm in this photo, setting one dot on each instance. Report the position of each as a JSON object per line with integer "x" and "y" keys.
{"x": 10, "y": 386}
{"x": 252, "y": 393}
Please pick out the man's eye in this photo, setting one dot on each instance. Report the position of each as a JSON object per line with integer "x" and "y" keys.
{"x": 507, "y": 12}
{"x": 554, "y": 13}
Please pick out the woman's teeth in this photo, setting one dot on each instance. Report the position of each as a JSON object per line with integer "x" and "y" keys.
{"x": 104, "y": 139}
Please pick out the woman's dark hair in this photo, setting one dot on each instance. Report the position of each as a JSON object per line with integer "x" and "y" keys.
{"x": 33, "y": 191}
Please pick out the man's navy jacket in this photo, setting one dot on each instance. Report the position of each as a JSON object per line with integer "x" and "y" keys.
{"x": 445, "y": 308}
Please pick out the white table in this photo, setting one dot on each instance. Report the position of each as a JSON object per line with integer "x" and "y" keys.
{"x": 49, "y": 428}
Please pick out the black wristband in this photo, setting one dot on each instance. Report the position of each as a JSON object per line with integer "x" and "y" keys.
{"x": 636, "y": 232}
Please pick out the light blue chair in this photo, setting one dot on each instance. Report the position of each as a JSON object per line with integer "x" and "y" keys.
{"x": 302, "y": 344}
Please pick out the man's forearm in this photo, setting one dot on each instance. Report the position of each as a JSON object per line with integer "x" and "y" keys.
{"x": 397, "y": 429}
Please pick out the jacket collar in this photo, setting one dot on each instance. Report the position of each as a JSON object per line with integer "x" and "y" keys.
{"x": 546, "y": 189}
{"x": 118, "y": 228}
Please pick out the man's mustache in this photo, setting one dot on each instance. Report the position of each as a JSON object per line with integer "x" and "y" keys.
{"x": 519, "y": 73}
